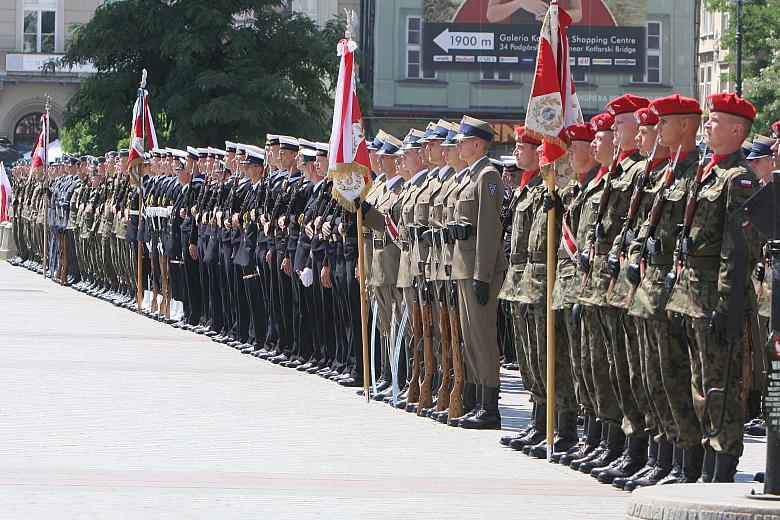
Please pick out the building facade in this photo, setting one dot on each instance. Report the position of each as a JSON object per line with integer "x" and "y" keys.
{"x": 31, "y": 33}
{"x": 407, "y": 91}
{"x": 714, "y": 71}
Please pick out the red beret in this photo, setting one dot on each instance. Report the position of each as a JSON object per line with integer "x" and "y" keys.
{"x": 675, "y": 105}
{"x": 731, "y": 104}
{"x": 776, "y": 128}
{"x": 524, "y": 137}
{"x": 644, "y": 116}
{"x": 627, "y": 103}
{"x": 582, "y": 132}
{"x": 603, "y": 121}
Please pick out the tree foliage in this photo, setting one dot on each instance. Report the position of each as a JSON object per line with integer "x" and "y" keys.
{"x": 210, "y": 78}
{"x": 760, "y": 47}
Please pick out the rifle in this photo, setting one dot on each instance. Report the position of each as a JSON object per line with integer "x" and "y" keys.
{"x": 425, "y": 296}
{"x": 629, "y": 232}
{"x": 654, "y": 218}
{"x": 508, "y": 212}
{"x": 685, "y": 242}
{"x": 444, "y": 327}
{"x": 455, "y": 408}
{"x": 598, "y": 227}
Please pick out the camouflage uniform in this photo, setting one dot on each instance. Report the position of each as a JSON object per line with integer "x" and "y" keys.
{"x": 521, "y": 322}
{"x": 567, "y": 283}
{"x": 596, "y": 287}
{"x": 704, "y": 285}
{"x": 665, "y": 359}
{"x": 534, "y": 293}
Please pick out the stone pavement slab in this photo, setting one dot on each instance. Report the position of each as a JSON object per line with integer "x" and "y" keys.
{"x": 107, "y": 414}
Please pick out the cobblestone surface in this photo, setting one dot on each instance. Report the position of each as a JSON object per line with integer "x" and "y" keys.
{"x": 107, "y": 414}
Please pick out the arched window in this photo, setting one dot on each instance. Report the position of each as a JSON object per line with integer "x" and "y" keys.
{"x": 26, "y": 131}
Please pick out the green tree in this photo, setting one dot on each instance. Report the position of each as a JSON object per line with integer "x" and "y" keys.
{"x": 760, "y": 46}
{"x": 210, "y": 78}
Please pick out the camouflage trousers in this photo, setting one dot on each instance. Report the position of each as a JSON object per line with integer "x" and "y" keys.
{"x": 575, "y": 359}
{"x": 598, "y": 372}
{"x": 667, "y": 370}
{"x": 565, "y": 400}
{"x": 641, "y": 412}
{"x": 709, "y": 359}
{"x": 521, "y": 327}
{"x": 613, "y": 320}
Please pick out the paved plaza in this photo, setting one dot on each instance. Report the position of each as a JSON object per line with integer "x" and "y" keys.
{"x": 107, "y": 414}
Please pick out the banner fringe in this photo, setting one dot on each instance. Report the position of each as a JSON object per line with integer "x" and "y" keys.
{"x": 346, "y": 172}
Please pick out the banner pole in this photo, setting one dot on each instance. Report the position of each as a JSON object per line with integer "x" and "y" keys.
{"x": 551, "y": 268}
{"x": 363, "y": 307}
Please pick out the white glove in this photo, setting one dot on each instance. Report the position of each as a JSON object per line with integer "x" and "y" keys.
{"x": 307, "y": 277}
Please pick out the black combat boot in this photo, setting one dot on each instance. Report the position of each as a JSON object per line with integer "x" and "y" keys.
{"x": 616, "y": 441}
{"x": 725, "y": 468}
{"x": 536, "y": 434}
{"x": 693, "y": 459}
{"x": 603, "y": 430}
{"x": 663, "y": 466}
{"x": 590, "y": 442}
{"x": 675, "y": 476}
{"x": 652, "y": 452}
{"x": 565, "y": 438}
{"x": 636, "y": 457}
{"x": 469, "y": 402}
{"x": 708, "y": 466}
{"x": 488, "y": 417}
{"x": 506, "y": 439}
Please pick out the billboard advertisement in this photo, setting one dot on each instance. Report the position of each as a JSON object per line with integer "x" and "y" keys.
{"x": 605, "y": 35}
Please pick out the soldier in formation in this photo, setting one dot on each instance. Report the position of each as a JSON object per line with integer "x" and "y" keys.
{"x": 251, "y": 246}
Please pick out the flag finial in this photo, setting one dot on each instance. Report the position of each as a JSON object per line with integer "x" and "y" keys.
{"x": 143, "y": 78}
{"x": 351, "y": 22}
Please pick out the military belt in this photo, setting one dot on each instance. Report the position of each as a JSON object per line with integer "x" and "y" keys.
{"x": 367, "y": 234}
{"x": 537, "y": 257}
{"x": 703, "y": 261}
{"x": 518, "y": 259}
{"x": 378, "y": 243}
{"x": 659, "y": 259}
{"x": 404, "y": 245}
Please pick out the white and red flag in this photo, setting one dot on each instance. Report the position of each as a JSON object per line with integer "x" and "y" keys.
{"x": 553, "y": 106}
{"x": 349, "y": 165}
{"x": 142, "y": 128}
{"x": 5, "y": 195}
{"x": 38, "y": 154}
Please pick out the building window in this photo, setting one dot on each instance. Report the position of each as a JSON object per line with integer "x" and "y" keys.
{"x": 26, "y": 131}
{"x": 707, "y": 19}
{"x": 39, "y": 26}
{"x": 496, "y": 75}
{"x": 579, "y": 75}
{"x": 414, "y": 68}
{"x": 652, "y": 72}
{"x": 306, "y": 7}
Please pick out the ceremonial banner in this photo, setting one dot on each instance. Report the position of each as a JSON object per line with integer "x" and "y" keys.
{"x": 553, "y": 106}
{"x": 142, "y": 126}
{"x": 38, "y": 154}
{"x": 5, "y": 195}
{"x": 349, "y": 165}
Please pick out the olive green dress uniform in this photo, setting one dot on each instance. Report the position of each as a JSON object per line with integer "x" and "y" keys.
{"x": 704, "y": 285}
{"x": 480, "y": 257}
{"x": 510, "y": 290}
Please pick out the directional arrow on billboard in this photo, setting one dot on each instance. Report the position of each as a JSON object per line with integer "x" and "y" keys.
{"x": 465, "y": 41}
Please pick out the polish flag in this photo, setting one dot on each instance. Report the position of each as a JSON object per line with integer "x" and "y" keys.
{"x": 553, "y": 106}
{"x": 5, "y": 195}
{"x": 38, "y": 154}
{"x": 349, "y": 165}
